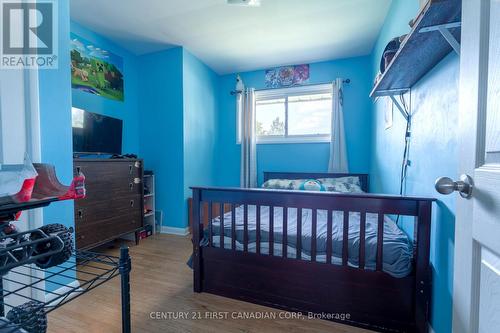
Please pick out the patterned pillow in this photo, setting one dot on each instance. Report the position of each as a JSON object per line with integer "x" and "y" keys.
{"x": 349, "y": 179}
{"x": 283, "y": 184}
{"x": 342, "y": 184}
{"x": 312, "y": 185}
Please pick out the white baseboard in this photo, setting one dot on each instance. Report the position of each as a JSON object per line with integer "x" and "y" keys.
{"x": 51, "y": 300}
{"x": 174, "y": 231}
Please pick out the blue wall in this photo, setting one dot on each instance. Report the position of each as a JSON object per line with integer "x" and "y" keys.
{"x": 128, "y": 110}
{"x": 300, "y": 157}
{"x": 201, "y": 87}
{"x": 433, "y": 153}
{"x": 55, "y": 119}
{"x": 178, "y": 102}
{"x": 161, "y": 126}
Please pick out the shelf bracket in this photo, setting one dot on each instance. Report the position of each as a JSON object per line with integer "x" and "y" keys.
{"x": 444, "y": 29}
{"x": 399, "y": 106}
{"x": 391, "y": 94}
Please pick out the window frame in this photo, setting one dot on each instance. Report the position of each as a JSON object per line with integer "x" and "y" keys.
{"x": 286, "y": 93}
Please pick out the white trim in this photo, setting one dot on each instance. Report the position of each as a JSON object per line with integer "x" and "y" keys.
{"x": 34, "y": 149}
{"x": 174, "y": 231}
{"x": 298, "y": 90}
{"x": 50, "y": 299}
{"x": 294, "y": 139}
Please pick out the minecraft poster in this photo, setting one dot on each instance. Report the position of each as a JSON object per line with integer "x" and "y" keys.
{"x": 95, "y": 70}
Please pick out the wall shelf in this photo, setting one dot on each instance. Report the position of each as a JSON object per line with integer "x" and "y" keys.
{"x": 436, "y": 33}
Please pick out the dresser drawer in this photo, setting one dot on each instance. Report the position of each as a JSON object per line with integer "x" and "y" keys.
{"x": 103, "y": 230}
{"x": 105, "y": 179}
{"x": 109, "y": 168}
{"x": 105, "y": 209}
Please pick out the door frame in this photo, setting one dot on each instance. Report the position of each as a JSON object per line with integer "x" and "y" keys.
{"x": 29, "y": 83}
{"x": 471, "y": 145}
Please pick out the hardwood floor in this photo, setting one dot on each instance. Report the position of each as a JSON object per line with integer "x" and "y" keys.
{"x": 161, "y": 282}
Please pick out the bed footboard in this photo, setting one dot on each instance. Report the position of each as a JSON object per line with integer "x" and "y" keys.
{"x": 353, "y": 294}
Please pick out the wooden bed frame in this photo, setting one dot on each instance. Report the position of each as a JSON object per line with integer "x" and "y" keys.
{"x": 370, "y": 299}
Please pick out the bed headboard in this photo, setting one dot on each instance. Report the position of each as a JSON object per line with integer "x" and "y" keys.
{"x": 363, "y": 177}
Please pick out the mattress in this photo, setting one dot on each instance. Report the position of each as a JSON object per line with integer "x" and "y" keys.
{"x": 397, "y": 248}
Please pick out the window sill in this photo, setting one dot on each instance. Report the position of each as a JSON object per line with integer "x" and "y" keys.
{"x": 274, "y": 141}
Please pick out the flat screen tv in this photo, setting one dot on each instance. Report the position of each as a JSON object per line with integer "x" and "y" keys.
{"x": 96, "y": 134}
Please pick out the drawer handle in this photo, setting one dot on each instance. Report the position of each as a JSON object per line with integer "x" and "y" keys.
{"x": 131, "y": 203}
{"x": 131, "y": 186}
{"x": 130, "y": 169}
{"x": 80, "y": 214}
{"x": 137, "y": 180}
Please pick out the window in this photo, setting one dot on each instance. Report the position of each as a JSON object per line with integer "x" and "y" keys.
{"x": 298, "y": 114}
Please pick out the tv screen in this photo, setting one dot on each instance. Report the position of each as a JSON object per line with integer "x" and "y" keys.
{"x": 95, "y": 133}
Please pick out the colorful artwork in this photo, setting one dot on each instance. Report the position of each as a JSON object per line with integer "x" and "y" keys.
{"x": 96, "y": 71}
{"x": 287, "y": 76}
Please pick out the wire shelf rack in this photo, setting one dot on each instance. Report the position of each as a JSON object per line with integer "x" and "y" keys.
{"x": 59, "y": 285}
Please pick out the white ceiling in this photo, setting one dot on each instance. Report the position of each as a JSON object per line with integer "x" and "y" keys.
{"x": 233, "y": 38}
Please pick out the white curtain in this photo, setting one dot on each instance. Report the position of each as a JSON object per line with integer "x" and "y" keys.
{"x": 338, "y": 151}
{"x": 248, "y": 174}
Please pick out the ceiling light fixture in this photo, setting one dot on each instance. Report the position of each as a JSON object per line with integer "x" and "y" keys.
{"x": 247, "y": 3}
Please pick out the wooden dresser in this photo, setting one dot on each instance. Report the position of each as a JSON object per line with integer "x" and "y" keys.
{"x": 114, "y": 203}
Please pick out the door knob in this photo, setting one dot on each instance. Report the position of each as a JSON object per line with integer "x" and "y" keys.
{"x": 464, "y": 186}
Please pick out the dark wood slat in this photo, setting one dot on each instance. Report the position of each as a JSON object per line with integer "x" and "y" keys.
{"x": 233, "y": 227}
{"x": 285, "y": 232}
{"x": 257, "y": 235}
{"x": 314, "y": 228}
{"x": 210, "y": 226}
{"x": 271, "y": 230}
{"x": 380, "y": 242}
{"x": 345, "y": 239}
{"x": 197, "y": 236}
{"x": 362, "y": 239}
{"x": 299, "y": 233}
{"x": 245, "y": 228}
{"x": 221, "y": 224}
{"x": 329, "y": 245}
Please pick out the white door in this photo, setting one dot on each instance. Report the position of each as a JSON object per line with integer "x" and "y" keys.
{"x": 476, "y": 287}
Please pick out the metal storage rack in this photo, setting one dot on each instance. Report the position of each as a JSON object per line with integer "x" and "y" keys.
{"x": 23, "y": 281}
{"x": 88, "y": 269}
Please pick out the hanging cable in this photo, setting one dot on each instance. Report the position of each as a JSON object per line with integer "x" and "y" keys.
{"x": 406, "y": 152}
